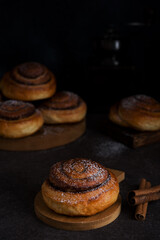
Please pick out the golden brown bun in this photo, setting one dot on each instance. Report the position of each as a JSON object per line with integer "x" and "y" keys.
{"x": 19, "y": 119}
{"x": 28, "y": 82}
{"x": 79, "y": 187}
{"x": 114, "y": 117}
{"x": 63, "y": 107}
{"x": 139, "y": 112}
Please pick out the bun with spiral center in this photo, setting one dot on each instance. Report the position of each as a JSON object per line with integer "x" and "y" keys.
{"x": 63, "y": 107}
{"x": 19, "y": 119}
{"x": 79, "y": 187}
{"x": 28, "y": 82}
{"x": 139, "y": 112}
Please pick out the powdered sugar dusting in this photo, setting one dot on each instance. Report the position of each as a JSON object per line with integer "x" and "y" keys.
{"x": 77, "y": 197}
{"x": 109, "y": 148}
{"x": 139, "y": 101}
{"x": 48, "y": 130}
{"x": 79, "y": 174}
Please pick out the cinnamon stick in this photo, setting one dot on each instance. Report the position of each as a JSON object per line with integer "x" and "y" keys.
{"x": 139, "y": 196}
{"x": 141, "y": 209}
{"x": 139, "y": 192}
{"x": 144, "y": 198}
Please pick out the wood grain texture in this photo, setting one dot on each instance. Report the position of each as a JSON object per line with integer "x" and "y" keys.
{"x": 119, "y": 174}
{"x": 75, "y": 223}
{"x": 131, "y": 137}
{"x": 59, "y": 221}
{"x": 49, "y": 136}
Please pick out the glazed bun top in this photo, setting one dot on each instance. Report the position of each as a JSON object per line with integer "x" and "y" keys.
{"x": 78, "y": 174}
{"x": 62, "y": 100}
{"x": 31, "y": 73}
{"x": 15, "y": 110}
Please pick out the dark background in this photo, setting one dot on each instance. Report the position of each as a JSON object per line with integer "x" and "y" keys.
{"x": 67, "y": 36}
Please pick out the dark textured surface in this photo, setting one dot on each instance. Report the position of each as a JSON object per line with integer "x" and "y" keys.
{"x": 22, "y": 173}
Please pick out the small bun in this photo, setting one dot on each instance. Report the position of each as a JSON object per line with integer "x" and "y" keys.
{"x": 28, "y": 82}
{"x": 79, "y": 187}
{"x": 19, "y": 119}
{"x": 63, "y": 107}
{"x": 139, "y": 112}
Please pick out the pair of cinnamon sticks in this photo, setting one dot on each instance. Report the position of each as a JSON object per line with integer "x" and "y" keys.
{"x": 142, "y": 196}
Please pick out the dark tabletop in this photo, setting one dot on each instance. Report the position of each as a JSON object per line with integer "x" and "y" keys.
{"x": 22, "y": 173}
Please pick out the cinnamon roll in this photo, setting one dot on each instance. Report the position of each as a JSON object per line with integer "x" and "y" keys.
{"x": 139, "y": 112}
{"x": 28, "y": 82}
{"x": 79, "y": 187}
{"x": 63, "y": 107}
{"x": 19, "y": 119}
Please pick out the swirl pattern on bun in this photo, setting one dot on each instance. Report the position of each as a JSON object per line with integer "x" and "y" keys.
{"x": 19, "y": 119}
{"x": 139, "y": 112}
{"x": 63, "y": 107}
{"x": 79, "y": 187}
{"x": 28, "y": 82}
{"x": 15, "y": 110}
{"x": 85, "y": 173}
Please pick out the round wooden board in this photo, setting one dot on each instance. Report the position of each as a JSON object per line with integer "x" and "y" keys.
{"x": 49, "y": 136}
{"x": 75, "y": 223}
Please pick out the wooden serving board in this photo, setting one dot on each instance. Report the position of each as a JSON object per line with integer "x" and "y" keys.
{"x": 131, "y": 137}
{"x": 119, "y": 174}
{"x": 59, "y": 221}
{"x": 49, "y": 136}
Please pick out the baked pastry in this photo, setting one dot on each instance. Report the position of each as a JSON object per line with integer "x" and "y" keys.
{"x": 139, "y": 112}
{"x": 63, "y": 107}
{"x": 114, "y": 116}
{"x": 28, "y": 82}
{"x": 19, "y": 119}
{"x": 79, "y": 187}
